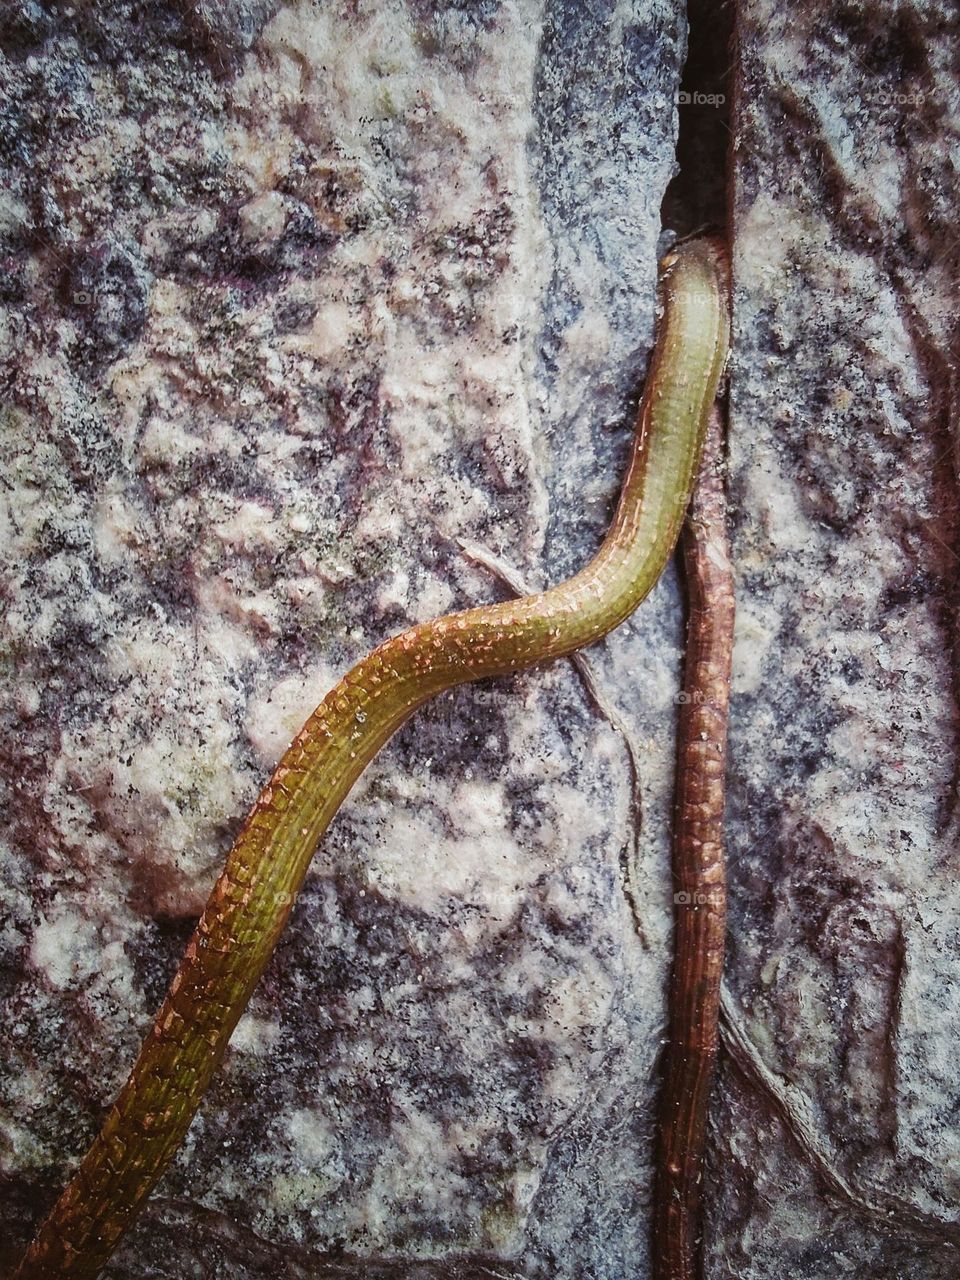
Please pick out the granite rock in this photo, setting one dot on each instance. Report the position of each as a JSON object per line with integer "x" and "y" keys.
{"x": 296, "y": 299}
{"x": 310, "y": 318}
{"x": 835, "y": 1147}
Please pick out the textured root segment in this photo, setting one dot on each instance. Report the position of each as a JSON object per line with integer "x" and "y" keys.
{"x": 250, "y": 902}
{"x": 700, "y": 888}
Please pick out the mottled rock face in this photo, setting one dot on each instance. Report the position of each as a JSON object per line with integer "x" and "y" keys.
{"x": 294, "y": 300}
{"x": 843, "y": 834}
{"x": 297, "y": 298}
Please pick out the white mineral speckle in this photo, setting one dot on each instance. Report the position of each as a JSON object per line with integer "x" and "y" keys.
{"x": 64, "y": 947}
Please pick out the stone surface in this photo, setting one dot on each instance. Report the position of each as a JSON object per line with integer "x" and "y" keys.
{"x": 296, "y": 298}
{"x": 835, "y": 1144}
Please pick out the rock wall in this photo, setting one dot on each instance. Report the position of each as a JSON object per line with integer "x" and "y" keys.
{"x": 319, "y": 321}
{"x": 835, "y": 1144}
{"x": 297, "y": 299}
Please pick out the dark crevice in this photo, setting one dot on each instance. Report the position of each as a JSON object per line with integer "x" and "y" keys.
{"x": 697, "y": 196}
{"x": 696, "y": 201}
